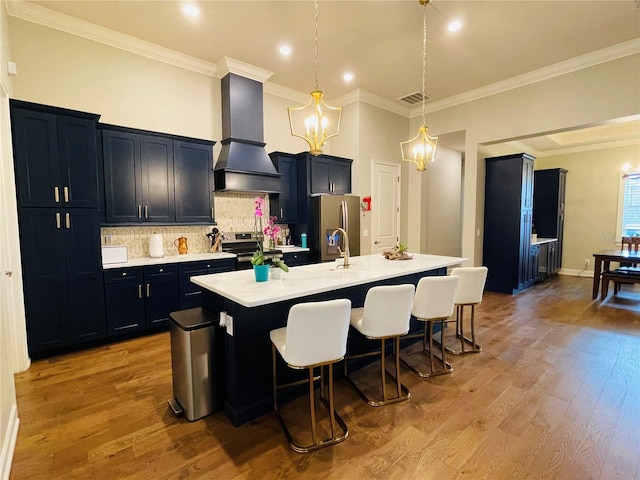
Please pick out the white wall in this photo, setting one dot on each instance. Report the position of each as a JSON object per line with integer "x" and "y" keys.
{"x": 591, "y": 201}
{"x": 585, "y": 97}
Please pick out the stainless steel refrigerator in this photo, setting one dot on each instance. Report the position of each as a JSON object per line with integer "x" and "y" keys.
{"x": 328, "y": 212}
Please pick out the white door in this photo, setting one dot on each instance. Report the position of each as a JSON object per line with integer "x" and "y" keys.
{"x": 385, "y": 205}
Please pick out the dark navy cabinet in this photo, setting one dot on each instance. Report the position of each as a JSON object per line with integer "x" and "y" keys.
{"x": 156, "y": 178}
{"x": 62, "y": 274}
{"x": 285, "y": 205}
{"x": 190, "y": 293}
{"x": 138, "y": 173}
{"x": 295, "y": 259}
{"x": 508, "y": 221}
{"x": 548, "y": 211}
{"x": 140, "y": 298}
{"x": 329, "y": 174}
{"x": 55, "y": 155}
{"x": 193, "y": 167}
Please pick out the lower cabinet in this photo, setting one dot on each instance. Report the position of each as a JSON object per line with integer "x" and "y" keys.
{"x": 297, "y": 258}
{"x": 533, "y": 265}
{"x": 138, "y": 298}
{"x": 190, "y": 293}
{"x": 62, "y": 275}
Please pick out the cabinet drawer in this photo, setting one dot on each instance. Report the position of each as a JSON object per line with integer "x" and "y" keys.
{"x": 298, "y": 258}
{"x": 120, "y": 275}
{"x": 154, "y": 271}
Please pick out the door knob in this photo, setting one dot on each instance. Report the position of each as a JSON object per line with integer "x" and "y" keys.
{"x": 8, "y": 273}
{"x": 376, "y": 242}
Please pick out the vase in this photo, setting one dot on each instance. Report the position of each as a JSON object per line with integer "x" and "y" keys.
{"x": 261, "y": 272}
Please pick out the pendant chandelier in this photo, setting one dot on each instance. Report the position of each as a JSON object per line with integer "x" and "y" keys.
{"x": 316, "y": 121}
{"x": 421, "y": 149}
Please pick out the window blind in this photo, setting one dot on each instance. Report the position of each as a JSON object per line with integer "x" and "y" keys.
{"x": 631, "y": 206}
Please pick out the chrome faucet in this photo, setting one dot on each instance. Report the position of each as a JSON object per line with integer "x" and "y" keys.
{"x": 344, "y": 254}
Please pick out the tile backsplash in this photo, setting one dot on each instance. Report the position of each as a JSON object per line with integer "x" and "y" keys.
{"x": 234, "y": 212}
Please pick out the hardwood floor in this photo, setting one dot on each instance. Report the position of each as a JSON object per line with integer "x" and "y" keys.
{"x": 554, "y": 394}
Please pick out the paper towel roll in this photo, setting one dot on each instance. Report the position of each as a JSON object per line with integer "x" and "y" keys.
{"x": 156, "y": 247}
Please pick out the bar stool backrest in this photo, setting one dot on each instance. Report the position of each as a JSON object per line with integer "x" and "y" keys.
{"x": 471, "y": 286}
{"x": 317, "y": 332}
{"x": 387, "y": 311}
{"x": 434, "y": 297}
{"x": 631, "y": 243}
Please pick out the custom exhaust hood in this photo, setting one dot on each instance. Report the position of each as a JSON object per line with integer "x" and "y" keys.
{"x": 243, "y": 164}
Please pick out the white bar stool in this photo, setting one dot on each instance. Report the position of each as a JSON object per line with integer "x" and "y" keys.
{"x": 433, "y": 302}
{"x": 470, "y": 289}
{"x": 386, "y": 315}
{"x": 315, "y": 336}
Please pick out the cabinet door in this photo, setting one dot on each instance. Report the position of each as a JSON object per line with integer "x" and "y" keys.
{"x": 285, "y": 204}
{"x": 122, "y": 177}
{"x": 125, "y": 307}
{"x": 78, "y": 162}
{"x": 156, "y": 155}
{"x": 190, "y": 293}
{"x": 524, "y": 275}
{"x": 161, "y": 294}
{"x": 527, "y": 184}
{"x": 320, "y": 174}
{"x": 44, "y": 278}
{"x": 553, "y": 260}
{"x": 298, "y": 258}
{"x": 35, "y": 145}
{"x": 84, "y": 274}
{"x": 340, "y": 177}
{"x": 193, "y": 166}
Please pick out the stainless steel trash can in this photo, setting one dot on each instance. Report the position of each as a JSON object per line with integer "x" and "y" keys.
{"x": 197, "y": 386}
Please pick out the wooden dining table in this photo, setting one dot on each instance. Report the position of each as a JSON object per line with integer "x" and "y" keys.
{"x": 603, "y": 258}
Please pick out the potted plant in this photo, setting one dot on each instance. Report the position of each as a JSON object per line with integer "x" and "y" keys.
{"x": 277, "y": 267}
{"x": 260, "y": 269}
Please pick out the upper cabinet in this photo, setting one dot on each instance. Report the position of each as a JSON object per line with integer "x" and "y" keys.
{"x": 193, "y": 182}
{"x": 55, "y": 156}
{"x": 329, "y": 174}
{"x": 284, "y": 205}
{"x": 156, "y": 179}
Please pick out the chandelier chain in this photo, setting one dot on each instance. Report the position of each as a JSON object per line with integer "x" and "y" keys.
{"x": 316, "y": 45}
{"x": 424, "y": 60}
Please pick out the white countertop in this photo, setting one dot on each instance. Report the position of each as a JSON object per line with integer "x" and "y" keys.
{"x": 540, "y": 241}
{"x": 189, "y": 257}
{"x": 241, "y": 287}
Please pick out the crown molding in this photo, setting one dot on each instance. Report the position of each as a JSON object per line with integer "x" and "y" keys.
{"x": 65, "y": 23}
{"x": 629, "y": 142}
{"x": 231, "y": 65}
{"x": 364, "y": 96}
{"x": 286, "y": 93}
{"x": 591, "y": 59}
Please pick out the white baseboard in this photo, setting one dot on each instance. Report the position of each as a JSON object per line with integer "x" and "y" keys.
{"x": 8, "y": 446}
{"x": 576, "y": 273}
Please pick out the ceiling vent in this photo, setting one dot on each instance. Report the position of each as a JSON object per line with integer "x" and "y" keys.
{"x": 413, "y": 98}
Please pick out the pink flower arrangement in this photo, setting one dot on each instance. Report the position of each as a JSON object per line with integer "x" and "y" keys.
{"x": 271, "y": 231}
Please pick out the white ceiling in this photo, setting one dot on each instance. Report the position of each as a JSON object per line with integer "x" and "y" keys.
{"x": 380, "y": 42}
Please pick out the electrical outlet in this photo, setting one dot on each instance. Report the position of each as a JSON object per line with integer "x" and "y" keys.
{"x": 587, "y": 262}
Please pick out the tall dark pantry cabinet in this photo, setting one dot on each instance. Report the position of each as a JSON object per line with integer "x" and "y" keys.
{"x": 57, "y": 183}
{"x": 508, "y": 219}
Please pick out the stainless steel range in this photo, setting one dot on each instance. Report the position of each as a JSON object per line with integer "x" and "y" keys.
{"x": 243, "y": 244}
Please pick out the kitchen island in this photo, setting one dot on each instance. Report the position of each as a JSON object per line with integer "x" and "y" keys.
{"x": 254, "y": 309}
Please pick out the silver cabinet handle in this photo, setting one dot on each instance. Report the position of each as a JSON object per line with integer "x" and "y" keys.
{"x": 146, "y": 211}
{"x": 212, "y": 212}
{"x": 67, "y": 220}
{"x": 65, "y": 192}
{"x": 56, "y": 194}
{"x": 148, "y": 290}
{"x": 58, "y": 220}
{"x": 140, "y": 291}
{"x": 281, "y": 213}
{"x": 139, "y": 211}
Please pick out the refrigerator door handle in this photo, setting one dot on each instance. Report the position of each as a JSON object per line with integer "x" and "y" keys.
{"x": 345, "y": 216}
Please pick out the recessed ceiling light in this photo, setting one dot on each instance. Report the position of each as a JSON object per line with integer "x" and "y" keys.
{"x": 455, "y": 26}
{"x": 190, "y": 10}
{"x": 347, "y": 77}
{"x": 285, "y": 50}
